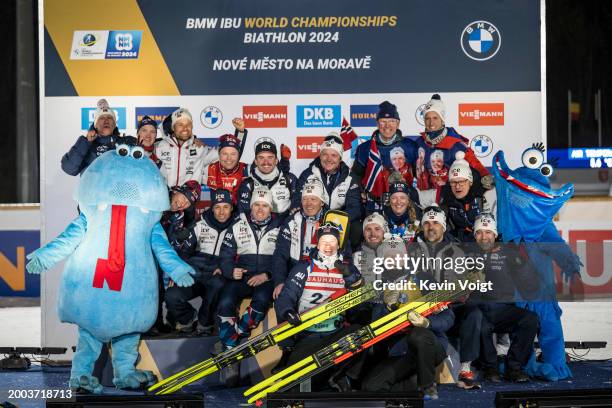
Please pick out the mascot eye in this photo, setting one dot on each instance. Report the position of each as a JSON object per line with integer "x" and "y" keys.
{"x": 546, "y": 170}
{"x": 532, "y": 158}
{"x": 137, "y": 152}
{"x": 123, "y": 150}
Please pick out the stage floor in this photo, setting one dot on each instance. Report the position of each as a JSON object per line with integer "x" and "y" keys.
{"x": 586, "y": 375}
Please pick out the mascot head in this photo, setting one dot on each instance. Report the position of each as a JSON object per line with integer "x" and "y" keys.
{"x": 124, "y": 176}
{"x": 525, "y": 201}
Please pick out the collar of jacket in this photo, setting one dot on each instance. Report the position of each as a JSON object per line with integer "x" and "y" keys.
{"x": 210, "y": 219}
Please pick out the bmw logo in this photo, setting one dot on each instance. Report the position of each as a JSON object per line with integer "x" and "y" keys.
{"x": 480, "y": 40}
{"x": 418, "y": 115}
{"x": 211, "y": 117}
{"x": 482, "y": 145}
{"x": 89, "y": 40}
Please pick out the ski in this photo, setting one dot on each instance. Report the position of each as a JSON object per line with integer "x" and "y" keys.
{"x": 341, "y": 220}
{"x": 341, "y": 303}
{"x": 351, "y": 344}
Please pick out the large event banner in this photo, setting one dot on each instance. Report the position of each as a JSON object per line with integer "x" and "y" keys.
{"x": 293, "y": 70}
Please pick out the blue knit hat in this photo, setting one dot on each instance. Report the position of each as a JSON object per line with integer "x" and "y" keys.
{"x": 229, "y": 141}
{"x": 399, "y": 187}
{"x": 387, "y": 110}
{"x": 221, "y": 196}
{"x": 146, "y": 120}
{"x": 329, "y": 229}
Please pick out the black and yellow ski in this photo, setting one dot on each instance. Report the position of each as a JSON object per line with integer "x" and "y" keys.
{"x": 264, "y": 340}
{"x": 341, "y": 219}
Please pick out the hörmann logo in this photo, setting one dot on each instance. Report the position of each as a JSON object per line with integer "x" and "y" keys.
{"x": 481, "y": 114}
{"x": 157, "y": 113}
{"x": 265, "y": 116}
{"x": 363, "y": 115}
{"x": 308, "y": 146}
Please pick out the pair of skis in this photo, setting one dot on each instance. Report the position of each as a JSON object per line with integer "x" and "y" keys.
{"x": 341, "y": 303}
{"x": 351, "y": 344}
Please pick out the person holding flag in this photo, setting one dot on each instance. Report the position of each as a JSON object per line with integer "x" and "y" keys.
{"x": 373, "y": 158}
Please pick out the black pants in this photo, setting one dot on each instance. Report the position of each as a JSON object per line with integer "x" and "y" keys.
{"x": 521, "y": 324}
{"x": 181, "y": 311}
{"x": 468, "y": 328}
{"x": 394, "y": 373}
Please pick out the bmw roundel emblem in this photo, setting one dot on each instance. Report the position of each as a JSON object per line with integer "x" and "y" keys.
{"x": 211, "y": 117}
{"x": 418, "y": 115}
{"x": 480, "y": 40}
{"x": 482, "y": 145}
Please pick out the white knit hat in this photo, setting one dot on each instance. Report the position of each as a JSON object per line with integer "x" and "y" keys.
{"x": 396, "y": 151}
{"x": 460, "y": 169}
{"x": 314, "y": 187}
{"x": 485, "y": 222}
{"x": 434, "y": 215}
{"x": 332, "y": 141}
{"x": 103, "y": 109}
{"x": 181, "y": 113}
{"x": 261, "y": 194}
{"x": 392, "y": 245}
{"x": 376, "y": 218}
{"x": 435, "y": 104}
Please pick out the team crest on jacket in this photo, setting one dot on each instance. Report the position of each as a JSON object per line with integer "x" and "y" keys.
{"x": 480, "y": 40}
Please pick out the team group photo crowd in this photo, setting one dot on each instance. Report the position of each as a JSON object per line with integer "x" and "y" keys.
{"x": 289, "y": 242}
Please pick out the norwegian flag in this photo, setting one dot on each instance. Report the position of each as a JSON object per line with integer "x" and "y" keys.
{"x": 347, "y": 134}
{"x": 373, "y": 178}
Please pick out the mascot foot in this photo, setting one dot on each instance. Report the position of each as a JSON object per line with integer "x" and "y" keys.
{"x": 86, "y": 383}
{"x": 138, "y": 379}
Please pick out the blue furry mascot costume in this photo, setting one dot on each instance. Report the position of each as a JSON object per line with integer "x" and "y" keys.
{"x": 109, "y": 283}
{"x": 526, "y": 206}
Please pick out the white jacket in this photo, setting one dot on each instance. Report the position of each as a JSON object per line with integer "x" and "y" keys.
{"x": 185, "y": 162}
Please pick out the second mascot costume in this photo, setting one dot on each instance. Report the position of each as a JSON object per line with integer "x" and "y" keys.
{"x": 526, "y": 206}
{"x": 109, "y": 283}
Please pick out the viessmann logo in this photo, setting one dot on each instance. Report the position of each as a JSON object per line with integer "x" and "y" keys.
{"x": 481, "y": 114}
{"x": 265, "y": 116}
{"x": 308, "y": 146}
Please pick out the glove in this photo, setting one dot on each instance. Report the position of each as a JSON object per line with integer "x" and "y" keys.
{"x": 181, "y": 234}
{"x": 344, "y": 269}
{"x": 488, "y": 182}
{"x": 35, "y": 266}
{"x": 417, "y": 320}
{"x": 356, "y": 285}
{"x": 391, "y": 299}
{"x": 184, "y": 280}
{"x": 570, "y": 273}
{"x": 285, "y": 152}
{"x": 293, "y": 318}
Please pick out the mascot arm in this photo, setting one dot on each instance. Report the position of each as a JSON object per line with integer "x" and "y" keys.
{"x": 179, "y": 271}
{"x": 556, "y": 247}
{"x": 58, "y": 249}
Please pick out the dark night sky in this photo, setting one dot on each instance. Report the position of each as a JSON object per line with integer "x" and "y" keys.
{"x": 577, "y": 52}
{"x": 578, "y": 55}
